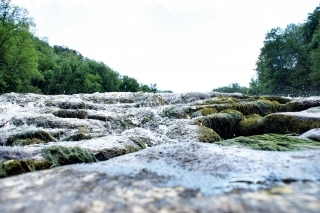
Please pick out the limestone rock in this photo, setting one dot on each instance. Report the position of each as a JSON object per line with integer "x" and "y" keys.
{"x": 183, "y": 177}
{"x": 313, "y": 134}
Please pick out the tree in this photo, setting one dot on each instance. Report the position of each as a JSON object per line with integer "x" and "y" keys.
{"x": 129, "y": 84}
{"x": 146, "y": 88}
{"x": 310, "y": 26}
{"x": 231, "y": 88}
{"x": 46, "y": 61}
{"x": 18, "y": 58}
{"x": 282, "y": 60}
{"x": 110, "y": 80}
{"x": 315, "y": 60}
{"x": 69, "y": 76}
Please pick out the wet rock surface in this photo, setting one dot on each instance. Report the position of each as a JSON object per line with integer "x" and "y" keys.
{"x": 183, "y": 177}
{"x": 192, "y": 152}
{"x": 313, "y": 134}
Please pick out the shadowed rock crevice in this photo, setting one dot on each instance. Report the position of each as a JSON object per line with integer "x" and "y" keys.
{"x": 30, "y": 137}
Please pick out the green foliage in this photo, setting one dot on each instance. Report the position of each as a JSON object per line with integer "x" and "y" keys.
{"x": 279, "y": 59}
{"x": 18, "y": 58}
{"x": 231, "y": 88}
{"x": 110, "y": 80}
{"x": 129, "y": 84}
{"x": 289, "y": 60}
{"x": 272, "y": 142}
{"x": 146, "y": 88}
{"x": 59, "y": 155}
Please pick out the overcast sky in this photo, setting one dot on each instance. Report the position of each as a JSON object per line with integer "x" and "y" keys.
{"x": 181, "y": 45}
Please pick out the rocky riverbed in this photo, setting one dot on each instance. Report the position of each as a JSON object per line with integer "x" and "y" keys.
{"x": 143, "y": 152}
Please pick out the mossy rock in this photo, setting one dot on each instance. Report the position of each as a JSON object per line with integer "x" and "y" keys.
{"x": 224, "y": 123}
{"x": 30, "y": 137}
{"x": 107, "y": 154}
{"x": 260, "y": 107}
{"x": 271, "y": 142}
{"x": 72, "y": 105}
{"x": 208, "y": 111}
{"x": 97, "y": 117}
{"x": 208, "y": 135}
{"x": 16, "y": 167}
{"x": 222, "y": 100}
{"x": 36, "y": 165}
{"x": 60, "y": 155}
{"x": 285, "y": 123}
{"x": 64, "y": 113}
{"x": 297, "y": 106}
{"x": 250, "y": 125}
{"x": 78, "y": 137}
{"x": 280, "y": 100}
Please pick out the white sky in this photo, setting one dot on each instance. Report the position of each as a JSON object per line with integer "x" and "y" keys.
{"x": 181, "y": 45}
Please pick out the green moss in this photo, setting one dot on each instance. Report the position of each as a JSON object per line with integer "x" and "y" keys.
{"x": 146, "y": 120}
{"x": 222, "y": 100}
{"x": 107, "y": 154}
{"x": 2, "y": 171}
{"x": 224, "y": 123}
{"x": 139, "y": 141}
{"x": 25, "y": 142}
{"x": 122, "y": 124}
{"x": 208, "y": 135}
{"x": 72, "y": 105}
{"x": 260, "y": 107}
{"x": 30, "y": 137}
{"x": 272, "y": 142}
{"x": 208, "y": 111}
{"x": 285, "y": 124}
{"x": 280, "y": 100}
{"x": 297, "y": 106}
{"x": 16, "y": 167}
{"x": 36, "y": 165}
{"x": 78, "y": 137}
{"x": 59, "y": 155}
{"x": 64, "y": 113}
{"x": 250, "y": 125}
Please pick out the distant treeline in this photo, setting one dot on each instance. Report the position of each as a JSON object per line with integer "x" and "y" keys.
{"x": 30, "y": 64}
{"x": 289, "y": 61}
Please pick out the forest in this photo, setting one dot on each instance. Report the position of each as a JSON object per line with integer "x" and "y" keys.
{"x": 289, "y": 62}
{"x": 28, "y": 64}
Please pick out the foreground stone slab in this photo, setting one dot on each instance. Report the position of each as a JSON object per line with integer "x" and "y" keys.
{"x": 183, "y": 177}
